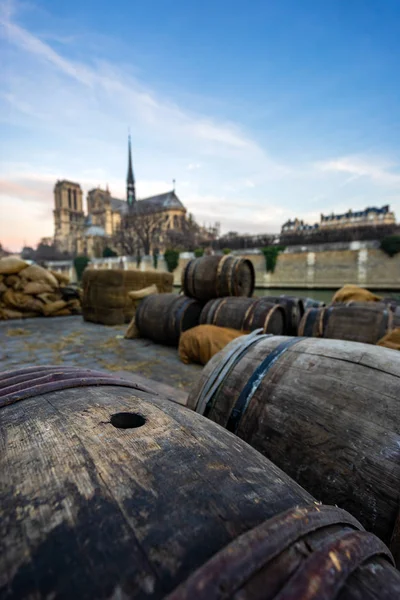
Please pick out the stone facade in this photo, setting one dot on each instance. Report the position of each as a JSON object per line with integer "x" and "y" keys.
{"x": 75, "y": 233}
{"x": 370, "y": 217}
{"x": 69, "y": 217}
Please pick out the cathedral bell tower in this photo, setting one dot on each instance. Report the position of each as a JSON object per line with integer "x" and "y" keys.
{"x": 130, "y": 180}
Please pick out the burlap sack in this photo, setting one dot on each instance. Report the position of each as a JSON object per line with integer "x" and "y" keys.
{"x": 14, "y": 282}
{"x": 106, "y": 292}
{"x": 64, "y": 312}
{"x": 62, "y": 278}
{"x": 48, "y": 298}
{"x": 3, "y": 287}
{"x": 199, "y": 344}
{"x": 36, "y": 273}
{"x": 36, "y": 287}
{"x": 391, "y": 340}
{"x": 22, "y": 302}
{"x": 11, "y": 264}
{"x": 53, "y": 307}
{"x": 74, "y": 306}
{"x": 140, "y": 294}
{"x": 9, "y": 313}
{"x": 354, "y": 293}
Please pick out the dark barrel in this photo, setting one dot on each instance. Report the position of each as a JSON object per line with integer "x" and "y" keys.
{"x": 294, "y": 310}
{"x": 327, "y": 412}
{"x": 163, "y": 317}
{"x": 218, "y": 276}
{"x": 112, "y": 492}
{"x": 312, "y": 303}
{"x": 365, "y": 322}
{"x": 244, "y": 314}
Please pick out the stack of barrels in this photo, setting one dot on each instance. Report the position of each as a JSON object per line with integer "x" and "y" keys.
{"x": 163, "y": 317}
{"x": 226, "y": 285}
{"x": 148, "y": 499}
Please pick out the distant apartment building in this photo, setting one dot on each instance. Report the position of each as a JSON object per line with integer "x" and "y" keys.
{"x": 369, "y": 217}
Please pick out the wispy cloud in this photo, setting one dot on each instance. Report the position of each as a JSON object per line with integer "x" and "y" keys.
{"x": 358, "y": 167}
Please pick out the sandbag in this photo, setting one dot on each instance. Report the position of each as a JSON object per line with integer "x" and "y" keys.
{"x": 354, "y": 293}
{"x": 64, "y": 312}
{"x": 11, "y": 264}
{"x": 14, "y": 282}
{"x": 48, "y": 298}
{"x": 37, "y": 273}
{"x": 22, "y": 302}
{"x": 10, "y": 313}
{"x": 53, "y": 307}
{"x": 143, "y": 293}
{"x": 62, "y": 278}
{"x": 3, "y": 287}
{"x": 201, "y": 343}
{"x": 74, "y": 306}
{"x": 391, "y": 340}
{"x": 37, "y": 287}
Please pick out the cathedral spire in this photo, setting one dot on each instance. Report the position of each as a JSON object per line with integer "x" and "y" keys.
{"x": 130, "y": 180}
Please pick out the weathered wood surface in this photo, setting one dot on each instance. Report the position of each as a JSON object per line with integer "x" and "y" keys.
{"x": 245, "y": 314}
{"x": 90, "y": 510}
{"x": 365, "y": 322}
{"x": 218, "y": 276}
{"x": 327, "y": 412}
{"x": 163, "y": 317}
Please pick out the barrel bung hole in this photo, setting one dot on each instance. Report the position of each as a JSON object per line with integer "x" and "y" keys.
{"x": 127, "y": 420}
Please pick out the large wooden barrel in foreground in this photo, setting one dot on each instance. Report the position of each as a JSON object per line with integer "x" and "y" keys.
{"x": 110, "y": 492}
{"x": 365, "y": 322}
{"x": 327, "y": 412}
{"x": 245, "y": 314}
{"x": 218, "y": 276}
{"x": 163, "y": 317}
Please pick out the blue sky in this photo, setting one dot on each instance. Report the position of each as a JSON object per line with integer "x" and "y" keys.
{"x": 261, "y": 111}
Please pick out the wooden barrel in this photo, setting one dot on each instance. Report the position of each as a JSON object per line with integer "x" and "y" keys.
{"x": 163, "y": 317}
{"x": 294, "y": 311}
{"x": 365, "y": 322}
{"x": 327, "y": 412}
{"x": 218, "y": 276}
{"x": 111, "y": 492}
{"x": 244, "y": 314}
{"x": 312, "y": 303}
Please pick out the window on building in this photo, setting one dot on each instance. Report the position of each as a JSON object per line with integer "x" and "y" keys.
{"x": 75, "y": 204}
{"x": 69, "y": 198}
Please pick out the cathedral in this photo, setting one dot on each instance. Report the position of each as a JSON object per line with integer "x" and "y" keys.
{"x": 77, "y": 233}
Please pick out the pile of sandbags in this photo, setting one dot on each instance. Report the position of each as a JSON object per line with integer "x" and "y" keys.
{"x": 32, "y": 291}
{"x": 105, "y": 297}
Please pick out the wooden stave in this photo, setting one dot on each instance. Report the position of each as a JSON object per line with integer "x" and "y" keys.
{"x": 310, "y": 469}
{"x": 240, "y": 492}
{"x": 156, "y": 317}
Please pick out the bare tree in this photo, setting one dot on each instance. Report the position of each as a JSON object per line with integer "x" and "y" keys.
{"x": 140, "y": 230}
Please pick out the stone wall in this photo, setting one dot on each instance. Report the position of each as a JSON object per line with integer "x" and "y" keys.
{"x": 367, "y": 267}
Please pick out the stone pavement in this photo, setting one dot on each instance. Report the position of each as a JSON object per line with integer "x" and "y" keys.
{"x": 72, "y": 341}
